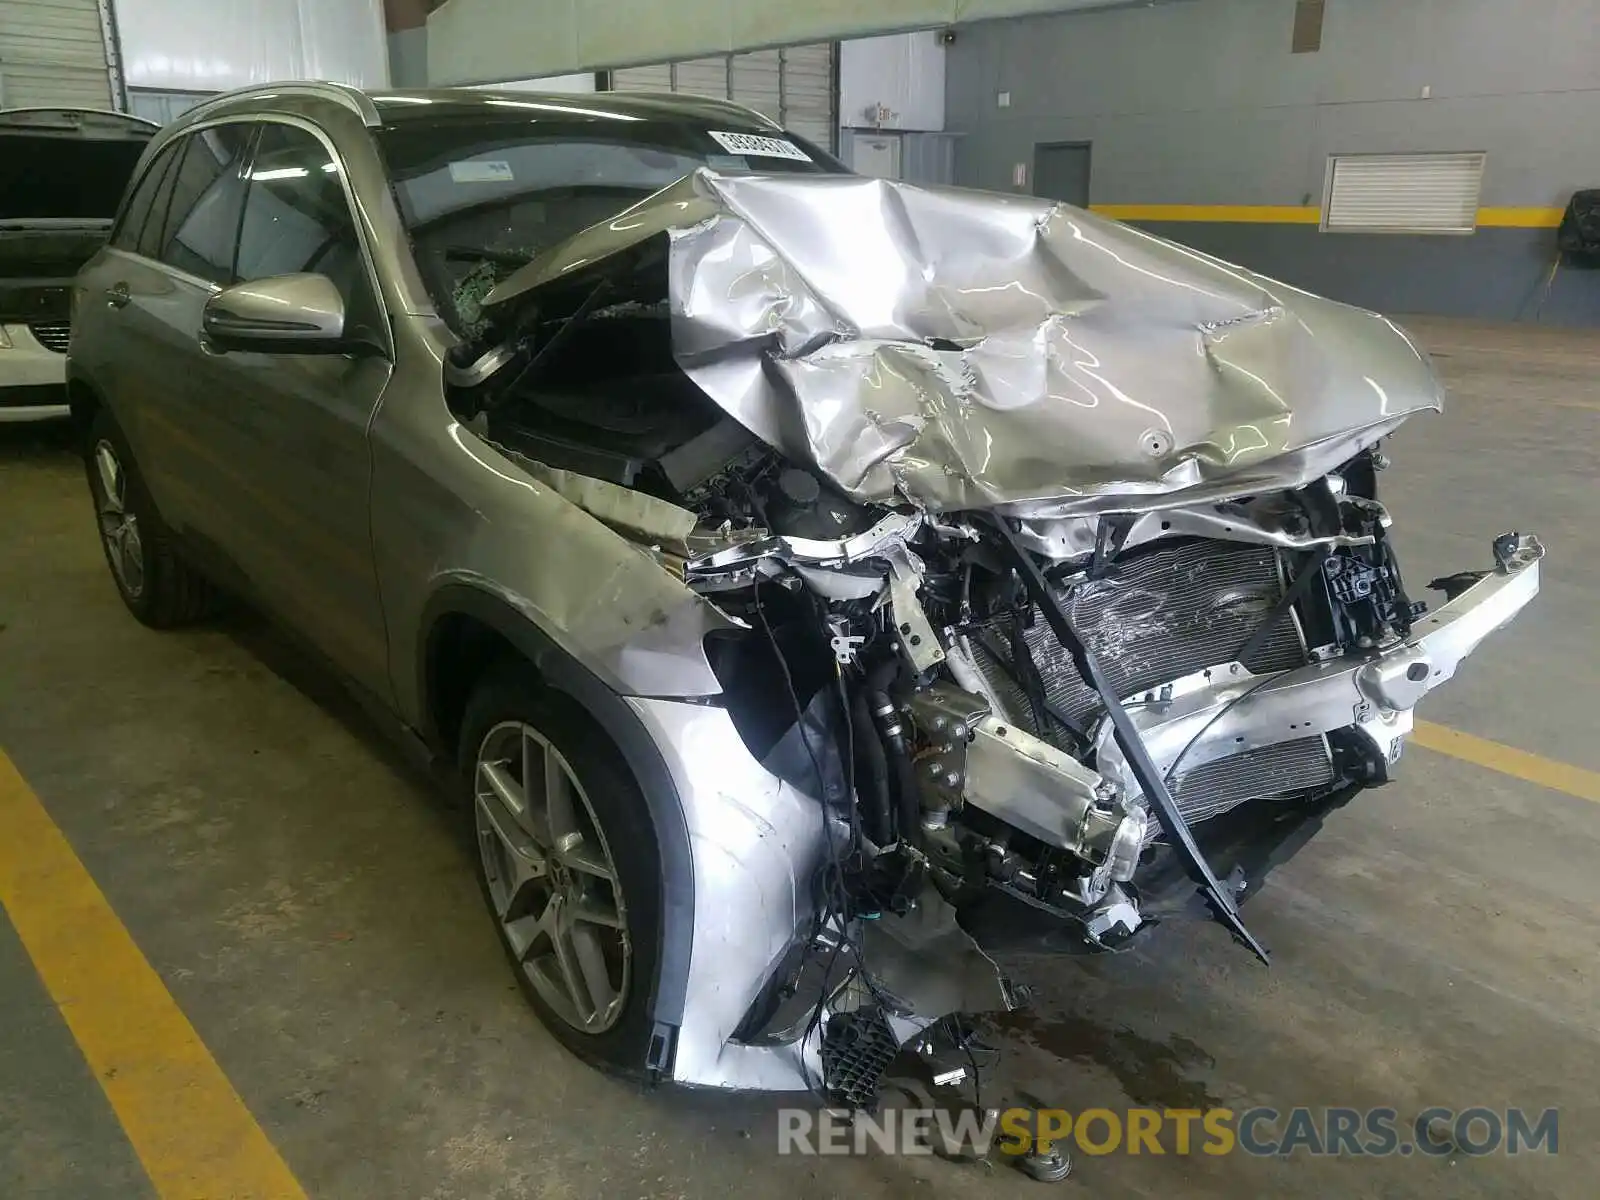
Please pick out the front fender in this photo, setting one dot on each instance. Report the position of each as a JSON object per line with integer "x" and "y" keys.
{"x": 622, "y": 725}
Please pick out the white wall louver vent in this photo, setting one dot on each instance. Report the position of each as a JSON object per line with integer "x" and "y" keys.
{"x": 1403, "y": 193}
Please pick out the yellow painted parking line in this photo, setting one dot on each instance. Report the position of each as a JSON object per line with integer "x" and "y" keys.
{"x": 1508, "y": 760}
{"x": 193, "y": 1135}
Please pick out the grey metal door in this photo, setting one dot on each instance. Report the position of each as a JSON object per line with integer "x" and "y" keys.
{"x": 1061, "y": 172}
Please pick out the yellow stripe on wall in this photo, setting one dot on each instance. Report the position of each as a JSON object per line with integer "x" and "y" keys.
{"x": 1520, "y": 218}
{"x": 1271, "y": 214}
{"x": 1255, "y": 214}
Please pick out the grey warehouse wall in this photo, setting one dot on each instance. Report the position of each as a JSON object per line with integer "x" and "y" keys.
{"x": 408, "y": 57}
{"x": 1201, "y": 104}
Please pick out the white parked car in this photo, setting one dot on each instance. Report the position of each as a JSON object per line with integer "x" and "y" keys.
{"x": 65, "y": 171}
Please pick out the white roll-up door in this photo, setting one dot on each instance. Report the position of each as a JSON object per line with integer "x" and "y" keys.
{"x": 794, "y": 87}
{"x": 758, "y": 82}
{"x": 810, "y": 97}
{"x": 53, "y": 55}
{"x": 701, "y": 77}
{"x": 643, "y": 79}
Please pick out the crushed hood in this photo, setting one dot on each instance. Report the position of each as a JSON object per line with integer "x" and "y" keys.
{"x": 968, "y": 350}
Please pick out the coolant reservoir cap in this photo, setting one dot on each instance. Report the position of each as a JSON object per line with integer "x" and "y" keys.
{"x": 799, "y": 487}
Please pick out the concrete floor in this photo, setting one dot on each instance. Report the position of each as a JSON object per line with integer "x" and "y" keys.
{"x": 301, "y": 895}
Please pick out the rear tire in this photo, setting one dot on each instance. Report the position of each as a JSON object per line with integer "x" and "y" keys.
{"x": 155, "y": 584}
{"x": 581, "y": 831}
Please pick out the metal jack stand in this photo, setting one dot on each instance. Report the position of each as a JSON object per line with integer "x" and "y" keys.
{"x": 935, "y": 1075}
{"x": 1054, "y": 1165}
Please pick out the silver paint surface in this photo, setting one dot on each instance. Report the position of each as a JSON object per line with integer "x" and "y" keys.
{"x": 757, "y": 845}
{"x": 284, "y": 308}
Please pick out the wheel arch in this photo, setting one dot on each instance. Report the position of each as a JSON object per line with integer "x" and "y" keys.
{"x": 464, "y": 630}
{"x": 84, "y": 400}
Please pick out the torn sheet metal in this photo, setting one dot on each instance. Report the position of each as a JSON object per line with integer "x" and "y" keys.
{"x": 628, "y": 511}
{"x": 968, "y": 350}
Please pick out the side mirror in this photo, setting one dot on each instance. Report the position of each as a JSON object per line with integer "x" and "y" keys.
{"x": 285, "y": 314}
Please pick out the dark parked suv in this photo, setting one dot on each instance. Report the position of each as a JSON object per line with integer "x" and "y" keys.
{"x": 813, "y": 582}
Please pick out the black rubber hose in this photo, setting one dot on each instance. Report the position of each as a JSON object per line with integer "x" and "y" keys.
{"x": 902, "y": 777}
{"x": 907, "y": 805}
{"x": 872, "y": 772}
{"x": 908, "y": 810}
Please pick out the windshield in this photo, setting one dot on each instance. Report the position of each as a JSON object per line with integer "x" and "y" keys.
{"x": 480, "y": 197}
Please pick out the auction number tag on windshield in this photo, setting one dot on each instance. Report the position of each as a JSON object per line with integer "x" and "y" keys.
{"x": 481, "y": 170}
{"x": 755, "y": 146}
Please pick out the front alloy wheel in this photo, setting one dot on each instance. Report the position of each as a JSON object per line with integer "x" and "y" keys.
{"x": 551, "y": 878}
{"x": 119, "y": 527}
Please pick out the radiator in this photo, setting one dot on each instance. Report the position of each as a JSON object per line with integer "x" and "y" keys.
{"x": 1288, "y": 770}
{"x": 1167, "y": 612}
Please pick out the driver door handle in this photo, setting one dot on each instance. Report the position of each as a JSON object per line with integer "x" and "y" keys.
{"x": 117, "y": 295}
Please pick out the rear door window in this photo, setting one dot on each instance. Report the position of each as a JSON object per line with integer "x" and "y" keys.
{"x": 202, "y": 225}
{"x": 155, "y": 223}
{"x": 130, "y": 229}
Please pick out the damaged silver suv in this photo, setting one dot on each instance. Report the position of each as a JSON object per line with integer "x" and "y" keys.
{"x": 816, "y": 583}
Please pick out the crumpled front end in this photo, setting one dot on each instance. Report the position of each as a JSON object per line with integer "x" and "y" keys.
{"x": 1055, "y": 592}
{"x": 964, "y": 350}
{"x": 990, "y": 750}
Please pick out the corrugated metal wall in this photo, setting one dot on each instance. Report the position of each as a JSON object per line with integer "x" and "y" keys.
{"x": 795, "y": 86}
{"x": 53, "y": 54}
{"x": 811, "y": 91}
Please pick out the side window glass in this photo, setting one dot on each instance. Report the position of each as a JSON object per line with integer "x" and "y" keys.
{"x": 130, "y": 230}
{"x": 150, "y": 236}
{"x": 203, "y": 214}
{"x": 296, "y": 218}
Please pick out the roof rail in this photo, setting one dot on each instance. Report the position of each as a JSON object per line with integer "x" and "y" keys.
{"x": 354, "y": 99}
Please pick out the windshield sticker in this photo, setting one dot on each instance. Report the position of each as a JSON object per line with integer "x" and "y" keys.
{"x": 481, "y": 170}
{"x": 756, "y": 146}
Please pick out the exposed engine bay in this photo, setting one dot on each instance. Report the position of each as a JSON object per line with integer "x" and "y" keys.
{"x": 1027, "y": 726}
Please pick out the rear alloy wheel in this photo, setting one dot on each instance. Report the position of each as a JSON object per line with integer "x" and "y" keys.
{"x": 158, "y": 587}
{"x": 119, "y": 528}
{"x": 551, "y": 879}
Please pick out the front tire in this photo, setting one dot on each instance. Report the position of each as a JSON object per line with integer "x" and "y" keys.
{"x": 157, "y": 586}
{"x": 567, "y": 862}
